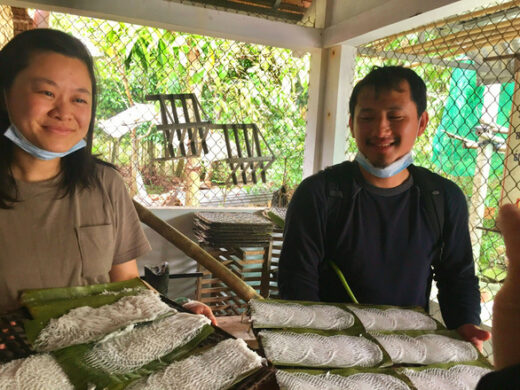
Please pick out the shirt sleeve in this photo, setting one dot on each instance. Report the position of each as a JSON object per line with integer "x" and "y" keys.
{"x": 459, "y": 296}
{"x": 129, "y": 237}
{"x": 304, "y": 241}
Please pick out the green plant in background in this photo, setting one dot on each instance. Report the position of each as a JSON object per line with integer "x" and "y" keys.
{"x": 235, "y": 83}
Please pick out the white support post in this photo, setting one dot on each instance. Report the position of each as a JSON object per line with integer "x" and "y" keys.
{"x": 340, "y": 79}
{"x": 482, "y": 168}
{"x": 478, "y": 197}
{"x": 317, "y": 78}
{"x": 331, "y": 82}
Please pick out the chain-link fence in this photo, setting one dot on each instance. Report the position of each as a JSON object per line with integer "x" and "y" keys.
{"x": 470, "y": 63}
{"x": 249, "y": 102}
{"x": 195, "y": 120}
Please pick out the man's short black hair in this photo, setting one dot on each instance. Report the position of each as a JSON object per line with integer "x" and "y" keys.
{"x": 388, "y": 78}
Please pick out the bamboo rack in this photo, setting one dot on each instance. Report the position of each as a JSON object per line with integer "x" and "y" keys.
{"x": 193, "y": 250}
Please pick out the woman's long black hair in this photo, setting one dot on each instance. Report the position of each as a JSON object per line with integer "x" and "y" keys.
{"x": 78, "y": 168}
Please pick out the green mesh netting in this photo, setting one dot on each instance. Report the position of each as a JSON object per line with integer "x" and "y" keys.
{"x": 461, "y": 115}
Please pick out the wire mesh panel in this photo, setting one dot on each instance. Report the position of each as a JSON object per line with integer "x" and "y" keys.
{"x": 471, "y": 68}
{"x": 234, "y": 83}
{"x": 470, "y": 63}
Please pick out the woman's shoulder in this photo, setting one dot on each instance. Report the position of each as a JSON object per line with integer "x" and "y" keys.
{"x": 108, "y": 176}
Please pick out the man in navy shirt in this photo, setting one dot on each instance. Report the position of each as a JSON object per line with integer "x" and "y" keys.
{"x": 378, "y": 234}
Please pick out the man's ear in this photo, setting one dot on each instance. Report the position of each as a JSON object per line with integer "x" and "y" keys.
{"x": 423, "y": 122}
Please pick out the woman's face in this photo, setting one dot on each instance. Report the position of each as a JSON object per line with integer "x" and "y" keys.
{"x": 50, "y": 101}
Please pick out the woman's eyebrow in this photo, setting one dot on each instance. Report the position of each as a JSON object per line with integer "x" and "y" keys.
{"x": 54, "y": 84}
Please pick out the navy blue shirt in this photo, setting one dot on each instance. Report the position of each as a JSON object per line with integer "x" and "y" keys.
{"x": 505, "y": 379}
{"x": 382, "y": 242}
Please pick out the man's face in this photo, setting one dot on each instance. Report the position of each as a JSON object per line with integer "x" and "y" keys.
{"x": 385, "y": 125}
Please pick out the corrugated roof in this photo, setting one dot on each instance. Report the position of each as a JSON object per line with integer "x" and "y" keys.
{"x": 288, "y": 10}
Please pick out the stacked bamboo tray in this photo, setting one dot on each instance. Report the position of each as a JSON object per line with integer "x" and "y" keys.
{"x": 243, "y": 243}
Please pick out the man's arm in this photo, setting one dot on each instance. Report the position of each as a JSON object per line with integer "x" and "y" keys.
{"x": 304, "y": 241}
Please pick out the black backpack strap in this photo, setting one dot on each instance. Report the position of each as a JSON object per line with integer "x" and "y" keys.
{"x": 432, "y": 199}
{"x": 339, "y": 183}
{"x": 339, "y": 192}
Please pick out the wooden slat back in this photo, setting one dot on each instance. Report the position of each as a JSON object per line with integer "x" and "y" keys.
{"x": 183, "y": 109}
{"x": 247, "y": 151}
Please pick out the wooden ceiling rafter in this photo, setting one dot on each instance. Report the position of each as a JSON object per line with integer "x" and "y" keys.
{"x": 381, "y": 44}
{"x": 290, "y": 10}
{"x": 464, "y": 38}
{"x": 490, "y": 39}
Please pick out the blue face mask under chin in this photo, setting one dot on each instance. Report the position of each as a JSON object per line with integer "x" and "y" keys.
{"x": 19, "y": 140}
{"x": 386, "y": 172}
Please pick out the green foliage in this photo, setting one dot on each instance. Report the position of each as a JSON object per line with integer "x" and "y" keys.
{"x": 235, "y": 82}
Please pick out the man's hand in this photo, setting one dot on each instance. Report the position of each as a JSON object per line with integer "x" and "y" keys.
{"x": 197, "y": 307}
{"x": 474, "y": 335}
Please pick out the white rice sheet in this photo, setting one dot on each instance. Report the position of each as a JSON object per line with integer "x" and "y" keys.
{"x": 314, "y": 350}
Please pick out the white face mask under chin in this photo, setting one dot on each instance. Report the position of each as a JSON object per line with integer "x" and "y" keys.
{"x": 388, "y": 171}
{"x": 19, "y": 140}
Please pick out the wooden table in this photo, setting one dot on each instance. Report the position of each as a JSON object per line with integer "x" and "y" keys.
{"x": 239, "y": 327}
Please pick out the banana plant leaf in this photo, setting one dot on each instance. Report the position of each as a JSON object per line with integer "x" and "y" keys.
{"x": 276, "y": 219}
{"x": 45, "y": 304}
{"x": 82, "y": 375}
{"x": 476, "y": 363}
{"x": 37, "y": 297}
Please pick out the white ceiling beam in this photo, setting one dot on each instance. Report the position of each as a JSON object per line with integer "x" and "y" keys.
{"x": 186, "y": 18}
{"x": 391, "y": 17}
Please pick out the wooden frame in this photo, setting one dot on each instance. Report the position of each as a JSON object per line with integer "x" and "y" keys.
{"x": 181, "y": 116}
{"x": 244, "y": 149}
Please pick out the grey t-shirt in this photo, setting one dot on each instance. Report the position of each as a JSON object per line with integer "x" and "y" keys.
{"x": 51, "y": 241}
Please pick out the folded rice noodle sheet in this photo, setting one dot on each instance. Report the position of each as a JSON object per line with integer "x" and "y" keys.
{"x": 124, "y": 354}
{"x": 383, "y": 380}
{"x": 305, "y": 349}
{"x": 456, "y": 377}
{"x": 216, "y": 368}
{"x": 122, "y": 358}
{"x": 36, "y": 372}
{"x": 427, "y": 348}
{"x": 278, "y": 314}
{"x": 87, "y": 324}
{"x": 393, "y": 318}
